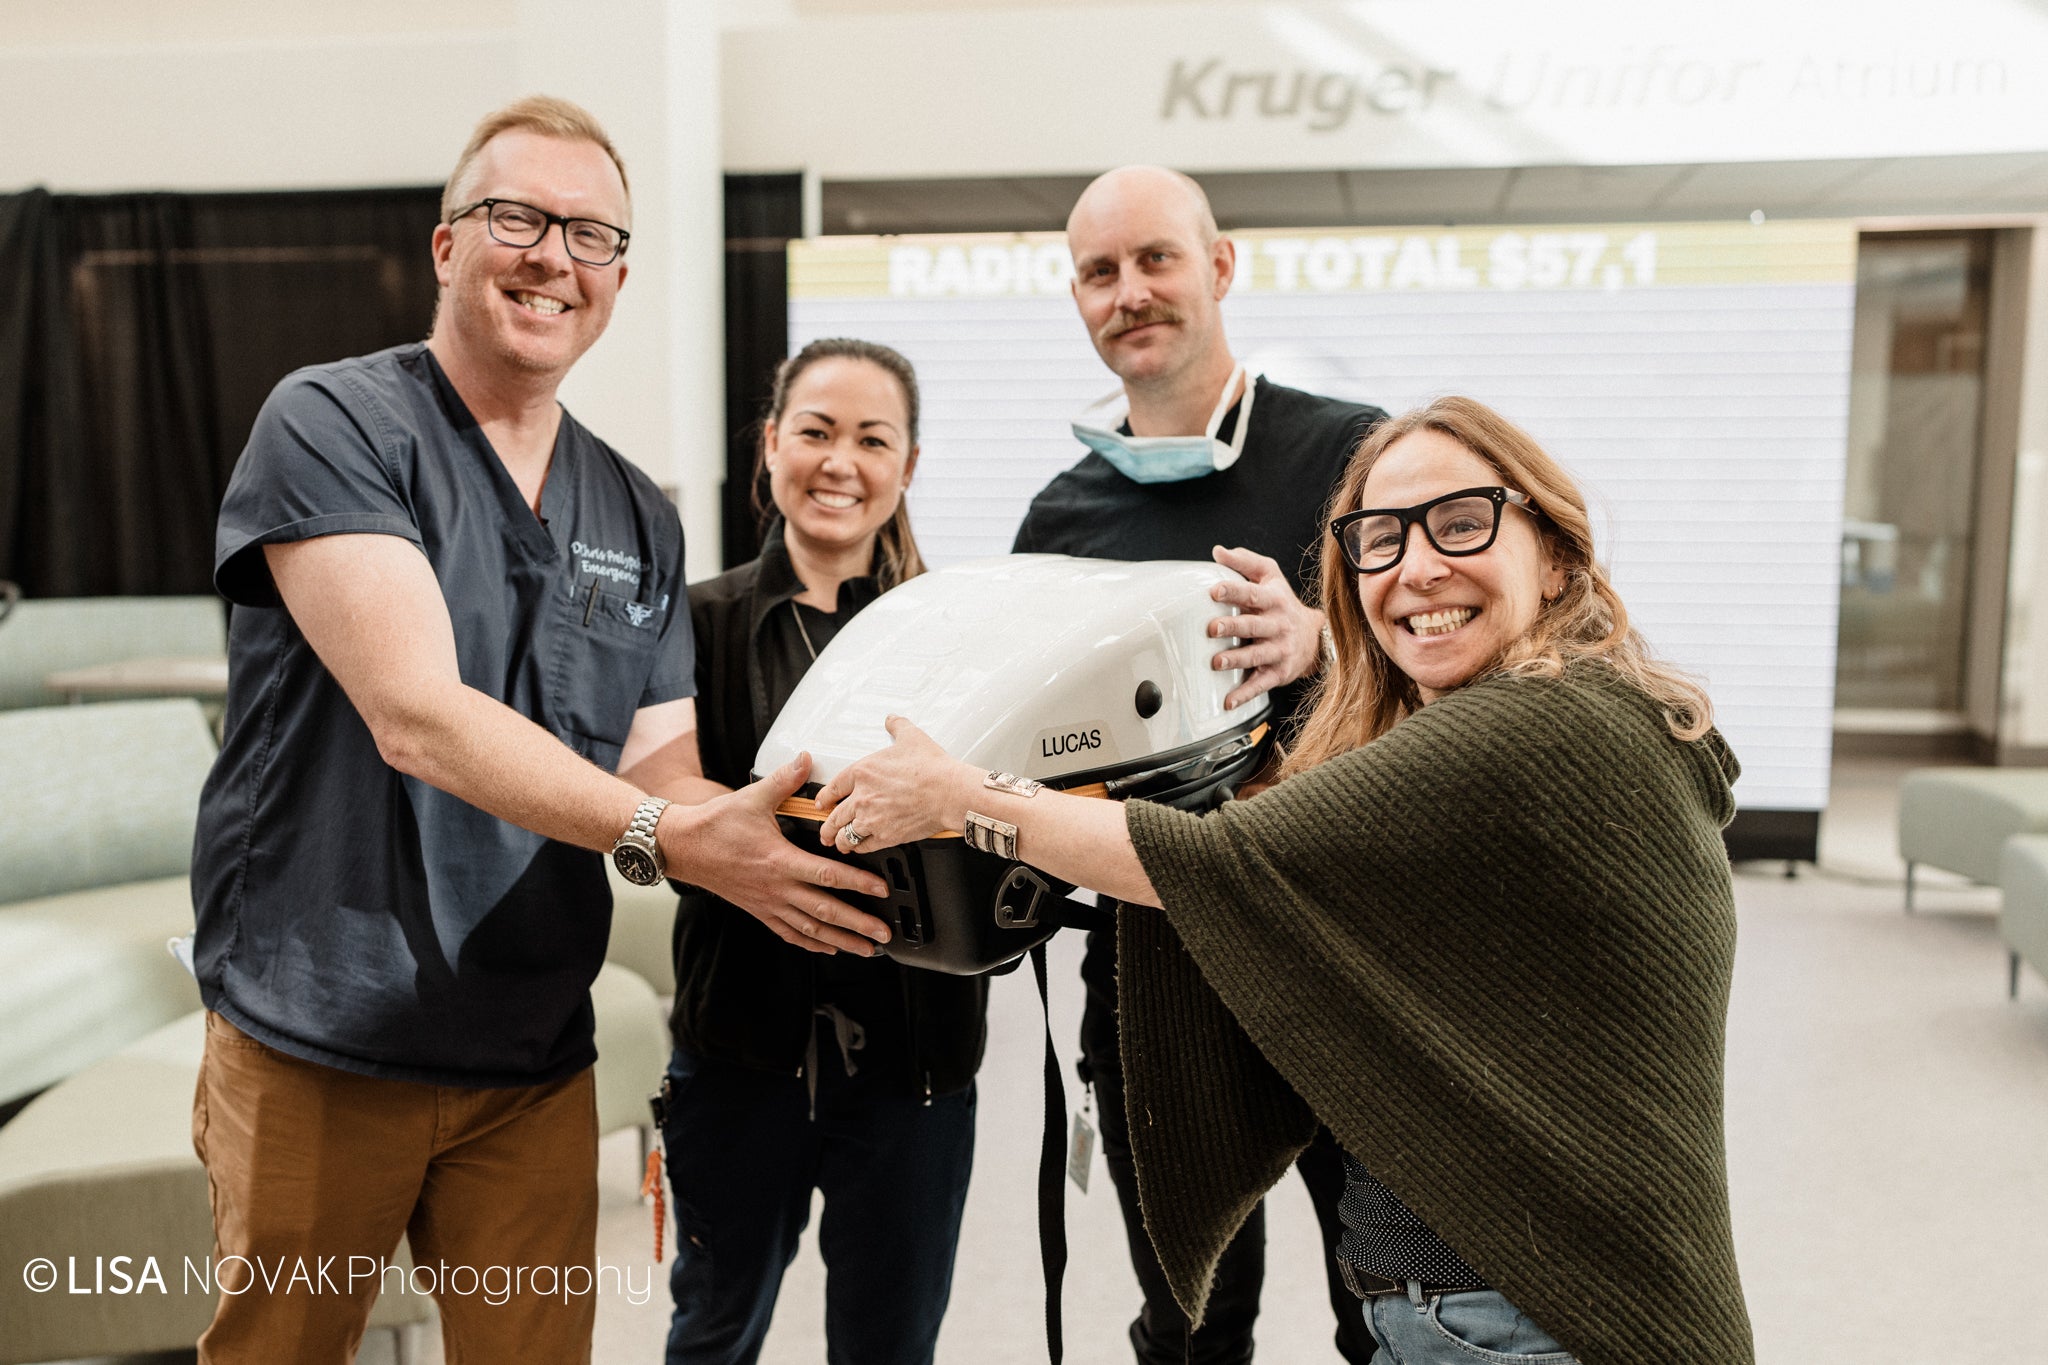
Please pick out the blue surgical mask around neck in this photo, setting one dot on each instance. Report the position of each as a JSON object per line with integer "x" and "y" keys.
{"x": 1165, "y": 459}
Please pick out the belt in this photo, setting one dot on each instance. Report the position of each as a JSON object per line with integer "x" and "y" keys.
{"x": 1367, "y": 1285}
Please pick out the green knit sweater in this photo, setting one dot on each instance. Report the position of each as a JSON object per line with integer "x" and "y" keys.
{"x": 1491, "y": 950}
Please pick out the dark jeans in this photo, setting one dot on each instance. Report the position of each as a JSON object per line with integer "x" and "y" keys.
{"x": 744, "y": 1154}
{"x": 1160, "y": 1335}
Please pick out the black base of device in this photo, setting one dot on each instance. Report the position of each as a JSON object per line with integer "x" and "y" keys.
{"x": 1790, "y": 836}
{"x": 951, "y": 908}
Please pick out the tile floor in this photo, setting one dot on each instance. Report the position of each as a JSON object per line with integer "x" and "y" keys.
{"x": 1887, "y": 1132}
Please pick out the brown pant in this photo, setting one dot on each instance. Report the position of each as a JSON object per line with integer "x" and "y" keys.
{"x": 317, "y": 1171}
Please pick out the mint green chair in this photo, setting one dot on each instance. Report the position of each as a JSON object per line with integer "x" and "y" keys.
{"x": 2023, "y": 917}
{"x": 1958, "y": 819}
{"x": 101, "y": 1165}
{"x": 45, "y": 635}
{"x": 97, "y": 807}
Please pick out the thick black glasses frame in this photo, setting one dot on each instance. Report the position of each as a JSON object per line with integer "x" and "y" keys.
{"x": 1418, "y": 515}
{"x": 553, "y": 219}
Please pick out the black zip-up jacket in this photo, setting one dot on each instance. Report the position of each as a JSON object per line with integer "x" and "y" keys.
{"x": 742, "y": 994}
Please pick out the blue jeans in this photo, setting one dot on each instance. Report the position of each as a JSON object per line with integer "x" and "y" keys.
{"x": 744, "y": 1154}
{"x": 1458, "y": 1329}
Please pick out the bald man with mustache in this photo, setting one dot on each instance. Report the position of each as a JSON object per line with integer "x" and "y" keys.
{"x": 1192, "y": 457}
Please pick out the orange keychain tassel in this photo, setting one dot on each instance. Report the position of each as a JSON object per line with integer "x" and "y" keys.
{"x": 650, "y": 1186}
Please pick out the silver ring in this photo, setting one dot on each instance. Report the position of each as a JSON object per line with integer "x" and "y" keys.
{"x": 853, "y": 838}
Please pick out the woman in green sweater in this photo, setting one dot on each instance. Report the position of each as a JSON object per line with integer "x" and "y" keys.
{"x": 1483, "y": 929}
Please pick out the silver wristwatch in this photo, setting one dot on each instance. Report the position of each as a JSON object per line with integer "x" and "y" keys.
{"x": 636, "y": 854}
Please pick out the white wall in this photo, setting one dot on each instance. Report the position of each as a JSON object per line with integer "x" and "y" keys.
{"x": 654, "y": 386}
{"x": 1026, "y": 90}
{"x": 237, "y": 95}
{"x": 225, "y": 107}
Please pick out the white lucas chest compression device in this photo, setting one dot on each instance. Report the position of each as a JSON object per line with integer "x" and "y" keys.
{"x": 1092, "y": 676}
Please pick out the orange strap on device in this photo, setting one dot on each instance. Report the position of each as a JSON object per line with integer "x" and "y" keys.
{"x": 804, "y": 808}
{"x": 650, "y": 1184}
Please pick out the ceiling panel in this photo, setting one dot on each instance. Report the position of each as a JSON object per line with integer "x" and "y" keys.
{"x": 2014, "y": 183}
{"x": 1591, "y": 192}
{"x": 1427, "y": 196}
{"x": 1776, "y": 187}
{"x": 1270, "y": 199}
{"x": 1940, "y": 182}
{"x": 949, "y": 205}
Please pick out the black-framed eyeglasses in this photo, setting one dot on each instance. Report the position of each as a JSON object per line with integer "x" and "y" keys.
{"x": 512, "y": 223}
{"x": 1373, "y": 539}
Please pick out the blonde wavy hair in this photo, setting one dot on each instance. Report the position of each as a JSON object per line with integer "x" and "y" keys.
{"x": 1361, "y": 694}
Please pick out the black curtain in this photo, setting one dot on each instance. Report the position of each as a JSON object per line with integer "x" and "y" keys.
{"x": 141, "y": 333}
{"x": 17, "y": 282}
{"x": 762, "y": 214}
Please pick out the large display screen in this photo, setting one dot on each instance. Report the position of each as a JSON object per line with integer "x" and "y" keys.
{"x": 1693, "y": 376}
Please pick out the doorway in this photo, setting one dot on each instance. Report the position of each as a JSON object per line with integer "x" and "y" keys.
{"x": 1916, "y": 403}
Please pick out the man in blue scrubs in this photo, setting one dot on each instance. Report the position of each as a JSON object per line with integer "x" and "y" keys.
{"x": 460, "y": 670}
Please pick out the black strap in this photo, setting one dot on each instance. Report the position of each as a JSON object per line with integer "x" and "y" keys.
{"x": 1069, "y": 913}
{"x": 1052, "y": 1194}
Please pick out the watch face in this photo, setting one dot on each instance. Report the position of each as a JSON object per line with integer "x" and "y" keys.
{"x": 635, "y": 865}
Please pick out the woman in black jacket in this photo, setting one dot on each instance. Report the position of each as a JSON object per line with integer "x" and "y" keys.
{"x": 795, "y": 1071}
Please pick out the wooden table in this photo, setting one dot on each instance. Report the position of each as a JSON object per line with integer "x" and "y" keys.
{"x": 206, "y": 679}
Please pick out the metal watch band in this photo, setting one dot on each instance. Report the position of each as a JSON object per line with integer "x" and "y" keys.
{"x": 989, "y": 835}
{"x": 647, "y": 817}
{"x": 1011, "y": 783}
{"x": 637, "y": 854}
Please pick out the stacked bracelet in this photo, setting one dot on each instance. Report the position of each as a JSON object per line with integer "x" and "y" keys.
{"x": 986, "y": 834}
{"x": 1014, "y": 785}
